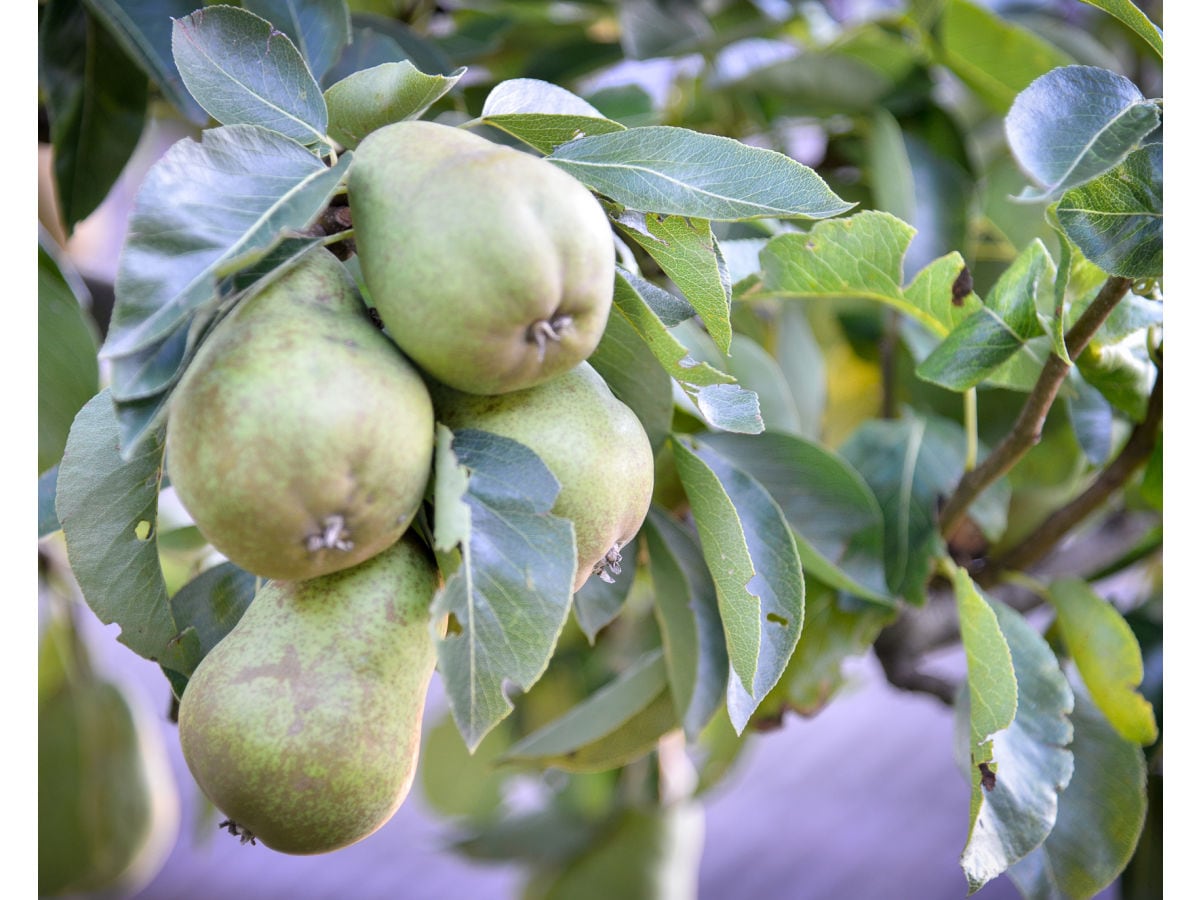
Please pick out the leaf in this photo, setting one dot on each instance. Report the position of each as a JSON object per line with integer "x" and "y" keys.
{"x": 109, "y": 514}
{"x": 320, "y": 29}
{"x": 687, "y": 252}
{"x": 456, "y": 783}
{"x": 47, "y": 516}
{"x": 207, "y": 607}
{"x": 1136, "y": 20}
{"x": 835, "y": 627}
{"x": 1030, "y": 764}
{"x": 143, "y": 28}
{"x": 1108, "y": 657}
{"x": 96, "y": 103}
{"x": 376, "y": 39}
{"x": 675, "y": 171}
{"x": 614, "y": 726}
{"x": 759, "y": 371}
{"x": 629, "y": 366}
{"x": 541, "y": 114}
{"x": 203, "y": 210}
{"x": 598, "y": 602}
{"x": 722, "y": 404}
{"x": 834, "y": 516}
{"x": 512, "y": 593}
{"x": 802, "y": 360}
{"x": 1091, "y": 419}
{"x": 997, "y": 59}
{"x": 68, "y": 374}
{"x": 686, "y": 608}
{"x": 387, "y": 93}
{"x": 752, "y": 556}
{"x": 1074, "y": 124}
{"x": 909, "y": 465}
{"x": 1116, "y": 219}
{"x": 642, "y": 853}
{"x": 990, "y": 336}
{"x": 244, "y": 72}
{"x": 1100, "y": 815}
{"x": 862, "y": 256}
{"x": 651, "y": 28}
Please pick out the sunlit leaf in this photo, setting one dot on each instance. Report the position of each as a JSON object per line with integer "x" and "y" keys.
{"x": 320, "y": 29}
{"x": 542, "y": 114}
{"x": 1128, "y": 13}
{"x": 675, "y": 171}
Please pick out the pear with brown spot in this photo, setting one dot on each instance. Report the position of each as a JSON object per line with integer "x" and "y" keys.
{"x": 300, "y": 439}
{"x": 303, "y": 724}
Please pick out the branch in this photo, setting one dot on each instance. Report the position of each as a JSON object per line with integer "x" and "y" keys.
{"x": 1046, "y": 536}
{"x": 1027, "y": 430}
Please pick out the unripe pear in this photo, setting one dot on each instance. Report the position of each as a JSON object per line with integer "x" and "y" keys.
{"x": 303, "y": 724}
{"x": 592, "y": 443}
{"x": 300, "y": 439}
{"x": 491, "y": 268}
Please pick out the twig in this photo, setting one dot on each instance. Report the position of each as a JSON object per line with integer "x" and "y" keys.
{"x": 1027, "y": 430}
{"x": 1045, "y": 536}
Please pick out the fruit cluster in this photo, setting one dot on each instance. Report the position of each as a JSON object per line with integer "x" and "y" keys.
{"x": 301, "y": 441}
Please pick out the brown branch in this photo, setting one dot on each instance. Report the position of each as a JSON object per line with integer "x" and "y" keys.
{"x": 1027, "y": 430}
{"x": 1046, "y": 536}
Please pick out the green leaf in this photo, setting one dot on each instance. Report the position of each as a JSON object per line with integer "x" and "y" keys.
{"x": 835, "y": 627}
{"x": 643, "y": 853}
{"x": 686, "y": 608}
{"x": 143, "y": 28}
{"x": 1091, "y": 419}
{"x": 1123, "y": 374}
{"x": 835, "y": 517}
{"x": 96, "y": 103}
{"x": 1116, "y": 219}
{"x": 675, "y": 171}
{"x": 511, "y": 596}
{"x": 541, "y": 114}
{"x": 598, "y": 602}
{"x": 759, "y": 371}
{"x": 376, "y": 39}
{"x": 244, "y": 72}
{"x": 320, "y": 29}
{"x": 1108, "y": 657}
{"x": 1137, "y": 21}
{"x": 803, "y": 366}
{"x": 109, "y": 514}
{"x": 68, "y": 374}
{"x": 204, "y": 210}
{"x": 909, "y": 465}
{"x": 628, "y": 365}
{"x": 206, "y": 609}
{"x": 751, "y": 553}
{"x": 997, "y": 59}
{"x": 387, "y": 93}
{"x": 1100, "y": 815}
{"x": 1074, "y": 124}
{"x": 456, "y": 783}
{"x": 651, "y": 28}
{"x": 1029, "y": 765}
{"x": 989, "y": 337}
{"x": 862, "y": 256}
{"x": 47, "y": 516}
{"x": 687, "y": 252}
{"x": 614, "y": 726}
{"x": 722, "y": 404}
{"x": 105, "y": 792}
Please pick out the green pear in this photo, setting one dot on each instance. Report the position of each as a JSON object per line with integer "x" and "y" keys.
{"x": 491, "y": 268}
{"x": 300, "y": 439}
{"x": 593, "y": 444}
{"x": 303, "y": 724}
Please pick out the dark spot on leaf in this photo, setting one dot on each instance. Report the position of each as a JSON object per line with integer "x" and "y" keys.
{"x": 987, "y": 777}
{"x": 453, "y": 627}
{"x": 963, "y": 285}
{"x": 376, "y": 319}
{"x": 777, "y": 619}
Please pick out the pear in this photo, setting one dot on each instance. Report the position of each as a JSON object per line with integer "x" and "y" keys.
{"x": 300, "y": 439}
{"x": 303, "y": 724}
{"x": 491, "y": 268}
{"x": 592, "y": 443}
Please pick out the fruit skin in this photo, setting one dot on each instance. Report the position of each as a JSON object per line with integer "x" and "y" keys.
{"x": 466, "y": 246}
{"x": 300, "y": 439}
{"x": 592, "y": 442}
{"x": 303, "y": 724}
